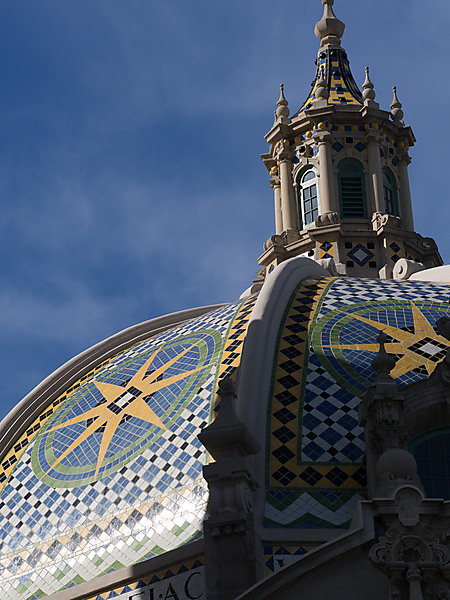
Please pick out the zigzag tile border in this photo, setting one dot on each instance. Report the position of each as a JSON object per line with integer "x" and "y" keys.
{"x": 322, "y": 368}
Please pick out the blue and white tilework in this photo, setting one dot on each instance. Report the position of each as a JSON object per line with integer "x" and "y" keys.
{"x": 92, "y": 494}
{"x": 323, "y": 368}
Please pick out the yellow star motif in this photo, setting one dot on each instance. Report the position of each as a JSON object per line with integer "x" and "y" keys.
{"x": 110, "y": 414}
{"x": 410, "y": 359}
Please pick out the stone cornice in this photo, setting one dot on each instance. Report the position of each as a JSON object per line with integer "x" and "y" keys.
{"x": 278, "y": 132}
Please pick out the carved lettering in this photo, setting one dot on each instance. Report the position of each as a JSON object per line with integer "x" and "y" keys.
{"x": 189, "y": 585}
{"x": 187, "y": 589}
{"x": 171, "y": 593}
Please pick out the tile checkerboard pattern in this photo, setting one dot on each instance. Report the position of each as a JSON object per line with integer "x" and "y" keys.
{"x": 333, "y": 66}
{"x": 58, "y": 532}
{"x": 231, "y": 356}
{"x": 321, "y": 371}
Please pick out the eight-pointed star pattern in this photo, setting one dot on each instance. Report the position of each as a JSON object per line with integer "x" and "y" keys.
{"x": 118, "y": 404}
{"x": 419, "y": 349}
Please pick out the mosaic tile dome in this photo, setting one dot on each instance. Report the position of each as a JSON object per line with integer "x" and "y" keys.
{"x": 322, "y": 369}
{"x": 109, "y": 473}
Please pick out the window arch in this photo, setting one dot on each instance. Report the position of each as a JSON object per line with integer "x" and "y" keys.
{"x": 390, "y": 192}
{"x": 352, "y": 189}
{"x": 308, "y": 196}
{"x": 432, "y": 453}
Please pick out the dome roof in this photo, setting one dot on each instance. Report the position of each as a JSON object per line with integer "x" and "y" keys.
{"x": 322, "y": 369}
{"x": 107, "y": 471}
{"x": 104, "y": 468}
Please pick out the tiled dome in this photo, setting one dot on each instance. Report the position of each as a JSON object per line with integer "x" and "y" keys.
{"x": 108, "y": 472}
{"x": 322, "y": 369}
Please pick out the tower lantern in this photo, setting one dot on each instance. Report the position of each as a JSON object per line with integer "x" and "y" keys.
{"x": 339, "y": 171}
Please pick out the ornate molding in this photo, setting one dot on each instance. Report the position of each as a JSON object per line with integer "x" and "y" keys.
{"x": 415, "y": 561}
{"x": 380, "y": 220}
{"x": 327, "y": 218}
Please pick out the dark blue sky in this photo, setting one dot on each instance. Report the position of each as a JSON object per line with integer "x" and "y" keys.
{"x": 130, "y": 132}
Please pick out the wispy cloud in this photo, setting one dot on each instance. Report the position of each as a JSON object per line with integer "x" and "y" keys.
{"x": 130, "y": 179}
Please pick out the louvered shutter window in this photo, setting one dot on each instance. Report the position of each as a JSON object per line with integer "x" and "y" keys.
{"x": 352, "y": 192}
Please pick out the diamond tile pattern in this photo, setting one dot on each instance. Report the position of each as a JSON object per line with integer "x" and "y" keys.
{"x": 395, "y": 251}
{"x": 326, "y": 250}
{"x": 231, "y": 356}
{"x": 360, "y": 254}
{"x": 322, "y": 369}
{"x": 147, "y": 503}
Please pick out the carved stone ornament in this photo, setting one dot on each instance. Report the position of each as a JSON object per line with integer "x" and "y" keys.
{"x": 382, "y": 220}
{"x": 382, "y": 409}
{"x": 275, "y": 240}
{"x": 423, "y": 243}
{"x": 261, "y": 274}
{"x": 382, "y": 414}
{"x": 416, "y": 563}
{"x": 230, "y": 479}
{"x": 404, "y": 268}
{"x": 328, "y": 218}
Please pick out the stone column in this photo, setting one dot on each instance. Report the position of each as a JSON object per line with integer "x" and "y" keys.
{"x": 375, "y": 172}
{"x": 328, "y": 202}
{"x": 288, "y": 203}
{"x": 275, "y": 185}
{"x": 406, "y": 214}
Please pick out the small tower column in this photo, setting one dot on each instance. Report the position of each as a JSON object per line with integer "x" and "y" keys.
{"x": 375, "y": 172}
{"x": 328, "y": 201}
{"x": 288, "y": 207}
{"x": 275, "y": 185}
{"x": 405, "y": 191}
{"x": 406, "y": 213}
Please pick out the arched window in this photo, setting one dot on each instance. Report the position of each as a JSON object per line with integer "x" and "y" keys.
{"x": 352, "y": 190}
{"x": 308, "y": 197}
{"x": 432, "y": 453}
{"x": 390, "y": 192}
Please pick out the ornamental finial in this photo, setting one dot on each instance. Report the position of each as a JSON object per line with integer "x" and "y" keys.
{"x": 282, "y": 104}
{"x": 368, "y": 91}
{"x": 396, "y": 108}
{"x": 383, "y": 363}
{"x": 329, "y": 29}
{"x": 322, "y": 88}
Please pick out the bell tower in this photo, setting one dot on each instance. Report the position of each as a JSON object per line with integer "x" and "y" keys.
{"x": 339, "y": 172}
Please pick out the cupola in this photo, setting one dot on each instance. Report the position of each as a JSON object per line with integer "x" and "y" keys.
{"x": 339, "y": 172}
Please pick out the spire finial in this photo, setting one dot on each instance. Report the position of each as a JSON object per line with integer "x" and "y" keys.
{"x": 282, "y": 104}
{"x": 321, "y": 92}
{"x": 383, "y": 363}
{"x": 368, "y": 91}
{"x": 329, "y": 29}
{"x": 396, "y": 108}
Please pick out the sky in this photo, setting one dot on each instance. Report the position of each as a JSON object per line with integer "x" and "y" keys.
{"x": 130, "y": 132}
